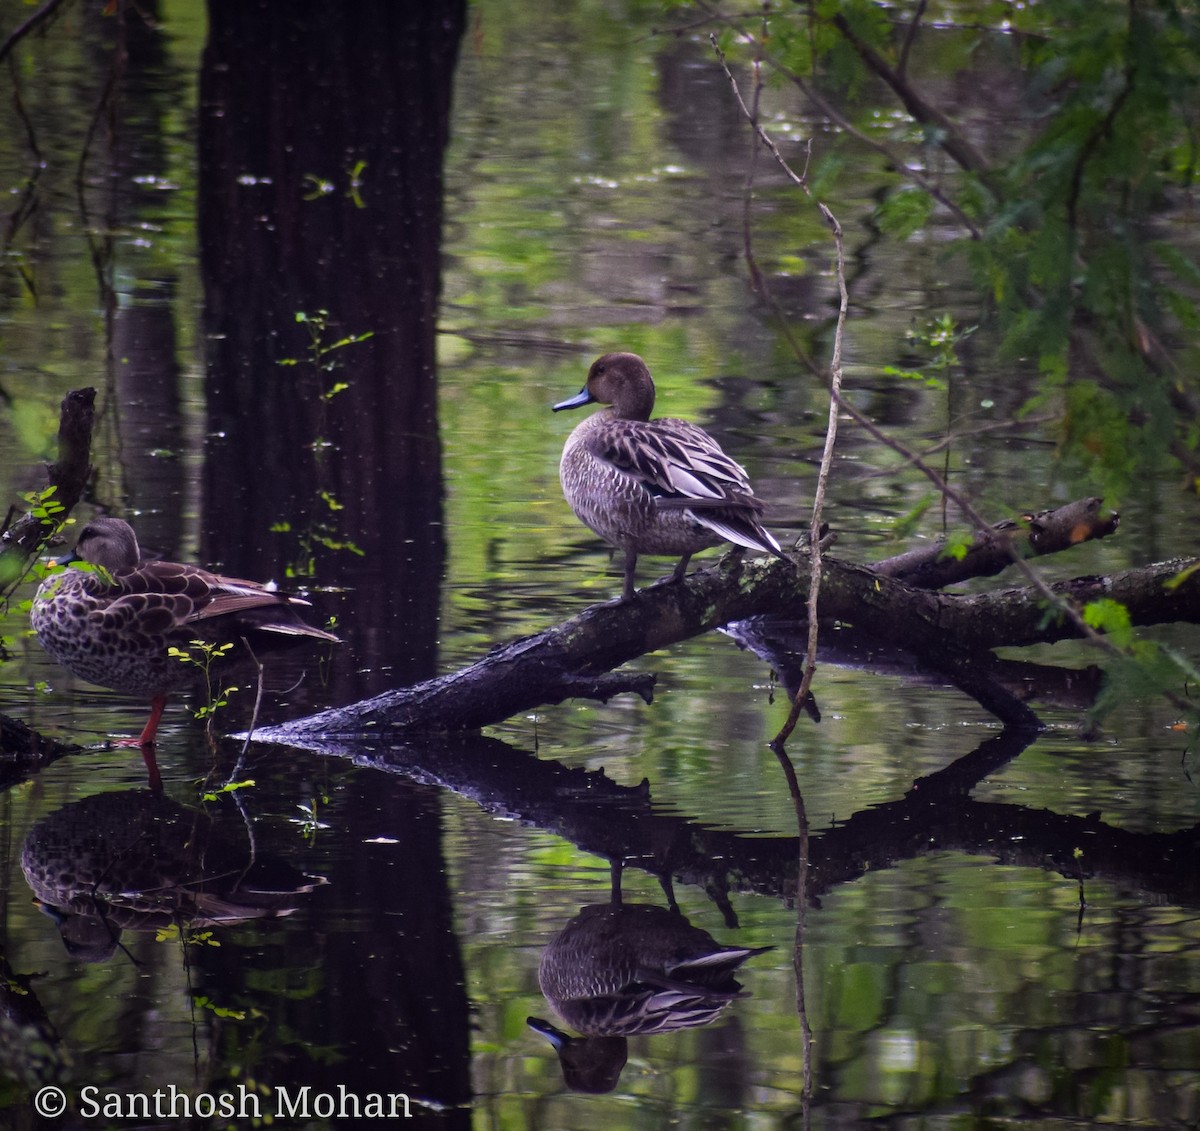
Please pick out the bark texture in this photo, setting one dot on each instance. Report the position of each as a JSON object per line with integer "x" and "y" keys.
{"x": 576, "y": 658}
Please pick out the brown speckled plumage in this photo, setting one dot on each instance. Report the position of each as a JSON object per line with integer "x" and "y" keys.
{"x": 131, "y": 860}
{"x": 626, "y": 968}
{"x": 653, "y": 486}
{"x": 113, "y": 625}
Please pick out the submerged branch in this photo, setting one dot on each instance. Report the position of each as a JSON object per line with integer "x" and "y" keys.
{"x": 623, "y": 824}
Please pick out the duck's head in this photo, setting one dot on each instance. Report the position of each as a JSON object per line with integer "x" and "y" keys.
{"x": 621, "y": 380}
{"x": 106, "y": 542}
{"x": 589, "y": 1064}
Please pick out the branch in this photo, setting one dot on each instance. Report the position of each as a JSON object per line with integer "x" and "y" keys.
{"x": 547, "y": 667}
{"x": 28, "y": 27}
{"x": 68, "y": 476}
{"x": 1044, "y": 532}
{"x": 959, "y": 149}
{"x": 830, "y": 111}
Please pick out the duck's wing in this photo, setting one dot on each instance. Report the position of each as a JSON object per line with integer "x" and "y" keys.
{"x": 684, "y": 468}
{"x": 172, "y": 595}
{"x": 675, "y": 460}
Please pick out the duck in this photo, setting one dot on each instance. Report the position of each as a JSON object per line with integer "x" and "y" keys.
{"x": 131, "y": 860}
{"x": 618, "y": 970}
{"x": 646, "y": 486}
{"x": 115, "y": 624}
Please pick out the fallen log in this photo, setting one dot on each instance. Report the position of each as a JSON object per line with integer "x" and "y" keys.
{"x": 575, "y": 659}
{"x": 1034, "y": 534}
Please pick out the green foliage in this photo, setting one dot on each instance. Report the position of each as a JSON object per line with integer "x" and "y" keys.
{"x": 904, "y": 213}
{"x": 320, "y": 352}
{"x": 14, "y": 570}
{"x": 172, "y": 933}
{"x": 1072, "y": 271}
{"x": 219, "y": 1010}
{"x": 322, "y": 357}
{"x": 1112, "y": 618}
{"x": 941, "y": 336}
{"x": 227, "y": 787}
{"x": 309, "y": 821}
{"x": 957, "y": 545}
{"x": 206, "y": 656}
{"x": 44, "y": 504}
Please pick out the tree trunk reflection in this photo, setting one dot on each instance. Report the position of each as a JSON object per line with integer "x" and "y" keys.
{"x": 321, "y": 139}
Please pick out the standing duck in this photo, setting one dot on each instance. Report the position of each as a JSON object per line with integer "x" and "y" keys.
{"x": 114, "y": 625}
{"x": 653, "y": 486}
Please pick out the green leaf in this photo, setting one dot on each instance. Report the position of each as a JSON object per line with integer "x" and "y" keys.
{"x": 1110, "y": 617}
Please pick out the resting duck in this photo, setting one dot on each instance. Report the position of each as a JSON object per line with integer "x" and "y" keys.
{"x": 653, "y": 486}
{"x": 619, "y": 970}
{"x": 113, "y": 625}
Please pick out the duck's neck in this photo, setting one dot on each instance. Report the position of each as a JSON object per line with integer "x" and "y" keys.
{"x": 637, "y": 405}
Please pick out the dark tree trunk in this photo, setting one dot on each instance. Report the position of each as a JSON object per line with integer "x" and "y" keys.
{"x": 322, "y": 134}
{"x": 321, "y": 139}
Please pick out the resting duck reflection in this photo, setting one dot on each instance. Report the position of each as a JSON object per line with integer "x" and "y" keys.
{"x": 114, "y": 625}
{"x": 619, "y": 970}
{"x": 134, "y": 860}
{"x": 653, "y": 486}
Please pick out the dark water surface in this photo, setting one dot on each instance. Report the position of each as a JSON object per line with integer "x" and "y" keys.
{"x": 1016, "y": 939}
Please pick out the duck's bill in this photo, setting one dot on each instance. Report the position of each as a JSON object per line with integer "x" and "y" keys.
{"x": 581, "y": 398}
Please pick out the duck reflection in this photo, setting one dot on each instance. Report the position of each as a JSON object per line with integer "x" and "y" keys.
{"x": 138, "y": 861}
{"x": 619, "y": 970}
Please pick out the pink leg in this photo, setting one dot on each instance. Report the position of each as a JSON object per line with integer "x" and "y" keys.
{"x": 152, "y": 768}
{"x": 157, "y": 705}
{"x": 145, "y": 741}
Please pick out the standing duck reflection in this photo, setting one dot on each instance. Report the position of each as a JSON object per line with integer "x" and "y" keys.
{"x": 619, "y": 970}
{"x": 138, "y": 861}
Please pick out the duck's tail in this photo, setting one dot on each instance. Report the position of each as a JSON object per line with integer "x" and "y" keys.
{"x": 738, "y": 526}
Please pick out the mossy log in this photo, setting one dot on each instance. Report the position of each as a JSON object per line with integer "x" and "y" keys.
{"x": 577, "y": 658}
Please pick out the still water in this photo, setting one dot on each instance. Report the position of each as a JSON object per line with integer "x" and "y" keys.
{"x": 1015, "y": 939}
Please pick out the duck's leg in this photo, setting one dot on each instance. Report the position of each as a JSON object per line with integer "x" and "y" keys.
{"x": 678, "y": 572}
{"x": 630, "y": 567}
{"x": 146, "y": 742}
{"x": 146, "y": 738}
{"x": 157, "y": 705}
{"x": 152, "y": 773}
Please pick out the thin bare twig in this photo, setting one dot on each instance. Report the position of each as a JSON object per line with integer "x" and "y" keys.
{"x": 835, "y": 383}
{"x": 830, "y": 111}
{"x": 814, "y": 587}
{"x": 29, "y": 27}
{"x": 909, "y": 37}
